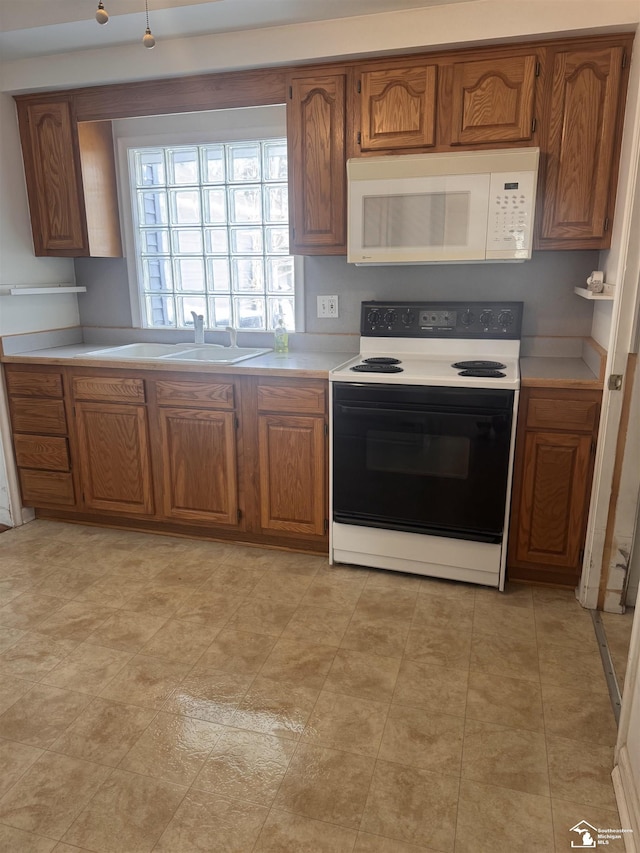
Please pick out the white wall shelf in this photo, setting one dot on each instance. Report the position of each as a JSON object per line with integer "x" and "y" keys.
{"x": 608, "y": 293}
{"x": 40, "y": 291}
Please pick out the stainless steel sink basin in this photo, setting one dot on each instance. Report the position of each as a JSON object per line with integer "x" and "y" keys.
{"x": 221, "y": 355}
{"x": 139, "y": 351}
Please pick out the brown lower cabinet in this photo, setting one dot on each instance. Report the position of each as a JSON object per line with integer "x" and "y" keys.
{"x": 555, "y": 448}
{"x": 234, "y": 457}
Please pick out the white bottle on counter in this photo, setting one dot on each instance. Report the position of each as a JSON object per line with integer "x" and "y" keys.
{"x": 281, "y": 337}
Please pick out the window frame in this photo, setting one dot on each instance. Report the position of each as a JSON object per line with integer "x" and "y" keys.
{"x": 127, "y": 194}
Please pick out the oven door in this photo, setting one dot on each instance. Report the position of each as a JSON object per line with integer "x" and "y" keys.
{"x": 422, "y": 459}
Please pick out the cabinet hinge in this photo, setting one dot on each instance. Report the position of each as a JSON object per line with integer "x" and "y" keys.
{"x": 537, "y": 71}
{"x": 326, "y": 429}
{"x": 615, "y": 382}
{"x": 326, "y": 525}
{"x": 605, "y": 224}
{"x": 624, "y": 59}
{"x": 581, "y": 555}
{"x": 593, "y": 447}
{"x": 236, "y": 423}
{"x": 359, "y": 86}
{"x": 290, "y": 92}
{"x": 533, "y": 125}
{"x": 359, "y": 138}
{"x": 239, "y": 514}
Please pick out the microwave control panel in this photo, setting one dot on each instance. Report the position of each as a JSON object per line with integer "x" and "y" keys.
{"x": 512, "y": 198}
{"x": 479, "y": 320}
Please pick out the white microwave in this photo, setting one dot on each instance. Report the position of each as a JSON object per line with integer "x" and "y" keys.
{"x": 465, "y": 206}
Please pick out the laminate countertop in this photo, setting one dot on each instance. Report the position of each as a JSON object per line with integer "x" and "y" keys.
{"x": 558, "y": 373}
{"x": 315, "y": 365}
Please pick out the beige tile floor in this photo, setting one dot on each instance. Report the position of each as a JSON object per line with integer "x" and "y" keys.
{"x": 176, "y": 696}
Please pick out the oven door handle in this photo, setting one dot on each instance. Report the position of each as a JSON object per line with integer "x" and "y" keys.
{"x": 417, "y": 410}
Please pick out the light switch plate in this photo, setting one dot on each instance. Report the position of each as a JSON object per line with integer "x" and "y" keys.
{"x": 328, "y": 306}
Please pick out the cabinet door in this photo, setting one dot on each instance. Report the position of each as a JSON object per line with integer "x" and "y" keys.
{"x": 398, "y": 108}
{"x": 292, "y": 474}
{"x": 552, "y": 500}
{"x": 199, "y": 465}
{"x": 115, "y": 470}
{"x": 492, "y": 100}
{"x": 581, "y": 159}
{"x": 53, "y": 178}
{"x": 317, "y": 176}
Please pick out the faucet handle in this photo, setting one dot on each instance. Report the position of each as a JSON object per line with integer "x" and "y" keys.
{"x": 233, "y": 336}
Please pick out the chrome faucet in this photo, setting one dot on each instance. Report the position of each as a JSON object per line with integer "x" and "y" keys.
{"x": 233, "y": 336}
{"x": 198, "y": 326}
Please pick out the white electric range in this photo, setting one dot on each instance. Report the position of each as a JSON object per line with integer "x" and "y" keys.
{"x": 422, "y": 438}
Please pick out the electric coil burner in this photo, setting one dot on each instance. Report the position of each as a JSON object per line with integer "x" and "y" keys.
{"x": 422, "y": 437}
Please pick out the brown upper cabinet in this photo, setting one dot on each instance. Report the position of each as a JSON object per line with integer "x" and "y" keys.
{"x": 71, "y": 184}
{"x": 398, "y": 107}
{"x": 492, "y": 100}
{"x": 565, "y": 96}
{"x": 317, "y": 176}
{"x": 581, "y": 141}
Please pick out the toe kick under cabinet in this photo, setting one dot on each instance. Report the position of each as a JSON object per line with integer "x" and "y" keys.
{"x": 228, "y": 456}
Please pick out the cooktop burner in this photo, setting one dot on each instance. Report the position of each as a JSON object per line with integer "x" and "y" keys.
{"x": 476, "y": 371}
{"x": 382, "y": 359}
{"x": 478, "y": 364}
{"x": 376, "y": 367}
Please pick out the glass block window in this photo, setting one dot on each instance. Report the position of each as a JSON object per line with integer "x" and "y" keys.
{"x": 212, "y": 234}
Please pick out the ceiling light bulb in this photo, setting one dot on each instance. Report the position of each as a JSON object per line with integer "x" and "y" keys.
{"x": 102, "y": 17}
{"x": 148, "y": 39}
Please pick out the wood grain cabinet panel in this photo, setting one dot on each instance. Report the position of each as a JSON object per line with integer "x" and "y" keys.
{"x": 181, "y": 393}
{"x": 115, "y": 469}
{"x": 292, "y": 474}
{"x": 46, "y": 488}
{"x": 493, "y": 99}
{"x": 317, "y": 172}
{"x": 37, "y": 415}
{"x": 552, "y": 484}
{"x": 306, "y": 397}
{"x": 33, "y": 384}
{"x": 108, "y": 389}
{"x": 48, "y": 452}
{"x": 199, "y": 465}
{"x": 580, "y": 144}
{"x": 398, "y": 107}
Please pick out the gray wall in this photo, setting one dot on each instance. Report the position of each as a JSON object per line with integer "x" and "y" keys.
{"x": 545, "y": 285}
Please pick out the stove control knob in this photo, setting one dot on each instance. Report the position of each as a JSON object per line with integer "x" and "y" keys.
{"x": 408, "y": 318}
{"x": 505, "y": 318}
{"x": 467, "y": 318}
{"x": 373, "y": 318}
{"x": 486, "y": 318}
{"x": 390, "y": 317}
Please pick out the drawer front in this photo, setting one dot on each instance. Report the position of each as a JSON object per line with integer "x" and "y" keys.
{"x": 39, "y": 416}
{"x": 108, "y": 389}
{"x": 305, "y": 397}
{"x": 23, "y": 384}
{"x": 218, "y": 394}
{"x": 42, "y": 451}
{"x": 550, "y": 413}
{"x": 46, "y": 487}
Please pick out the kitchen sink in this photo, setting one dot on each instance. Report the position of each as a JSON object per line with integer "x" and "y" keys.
{"x": 137, "y": 351}
{"x": 221, "y": 355}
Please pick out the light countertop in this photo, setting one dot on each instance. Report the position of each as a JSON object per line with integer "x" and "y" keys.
{"x": 560, "y": 372}
{"x": 304, "y": 364}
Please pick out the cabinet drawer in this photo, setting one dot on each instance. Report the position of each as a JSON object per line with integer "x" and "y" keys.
{"x": 305, "y": 397}
{"x": 551, "y": 413}
{"x": 22, "y": 384}
{"x": 42, "y": 451}
{"x": 218, "y": 394}
{"x": 108, "y": 389}
{"x": 39, "y": 416}
{"x": 46, "y": 487}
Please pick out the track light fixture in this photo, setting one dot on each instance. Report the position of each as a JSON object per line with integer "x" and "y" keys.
{"x": 148, "y": 40}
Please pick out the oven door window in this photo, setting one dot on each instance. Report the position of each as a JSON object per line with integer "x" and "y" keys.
{"x": 422, "y": 460}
